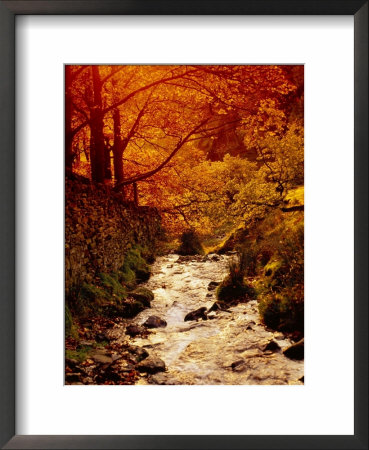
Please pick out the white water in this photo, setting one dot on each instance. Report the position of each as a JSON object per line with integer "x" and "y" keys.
{"x": 203, "y": 352}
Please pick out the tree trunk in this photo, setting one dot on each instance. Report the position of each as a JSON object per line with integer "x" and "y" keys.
{"x": 135, "y": 194}
{"x": 69, "y": 156}
{"x": 97, "y": 134}
{"x": 118, "y": 150}
{"x": 107, "y": 168}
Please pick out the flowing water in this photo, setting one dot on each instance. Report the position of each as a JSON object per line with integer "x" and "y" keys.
{"x": 228, "y": 348}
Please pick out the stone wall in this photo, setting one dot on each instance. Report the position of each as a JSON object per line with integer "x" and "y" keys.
{"x": 100, "y": 227}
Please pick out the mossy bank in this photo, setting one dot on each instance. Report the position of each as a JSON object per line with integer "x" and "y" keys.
{"x": 109, "y": 245}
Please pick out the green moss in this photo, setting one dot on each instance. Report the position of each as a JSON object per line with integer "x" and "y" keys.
{"x": 143, "y": 295}
{"x": 92, "y": 293}
{"x": 88, "y": 298}
{"x": 132, "y": 309}
{"x": 112, "y": 285}
{"x": 108, "y": 295}
{"x": 127, "y": 277}
{"x": 81, "y": 354}
{"x": 70, "y": 327}
{"x": 134, "y": 262}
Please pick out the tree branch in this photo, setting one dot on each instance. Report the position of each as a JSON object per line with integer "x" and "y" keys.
{"x": 165, "y": 162}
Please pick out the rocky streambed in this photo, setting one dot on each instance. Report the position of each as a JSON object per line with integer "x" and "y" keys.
{"x": 230, "y": 347}
{"x": 212, "y": 346}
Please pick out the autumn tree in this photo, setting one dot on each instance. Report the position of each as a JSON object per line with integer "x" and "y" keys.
{"x": 170, "y": 129}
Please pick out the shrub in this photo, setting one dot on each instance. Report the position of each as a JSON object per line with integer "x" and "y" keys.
{"x": 190, "y": 244}
{"x": 228, "y": 292}
{"x": 284, "y": 310}
{"x": 233, "y": 287}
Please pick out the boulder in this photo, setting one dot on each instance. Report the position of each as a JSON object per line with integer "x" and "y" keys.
{"x": 138, "y": 353}
{"x": 72, "y": 377}
{"x": 155, "y": 322}
{"x": 238, "y": 365}
{"x": 162, "y": 379}
{"x": 101, "y": 337}
{"x": 196, "y": 315}
{"x": 151, "y": 365}
{"x": 143, "y": 295}
{"x": 213, "y": 285}
{"x": 271, "y": 346}
{"x": 295, "y": 351}
{"x": 70, "y": 362}
{"x": 219, "y": 306}
{"x": 101, "y": 357}
{"x": 134, "y": 330}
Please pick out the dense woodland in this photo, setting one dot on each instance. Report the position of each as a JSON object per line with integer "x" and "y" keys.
{"x": 205, "y": 144}
{"x": 218, "y": 151}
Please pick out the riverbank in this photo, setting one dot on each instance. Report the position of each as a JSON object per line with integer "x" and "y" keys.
{"x": 230, "y": 347}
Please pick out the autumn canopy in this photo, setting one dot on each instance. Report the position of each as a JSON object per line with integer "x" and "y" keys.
{"x": 206, "y": 145}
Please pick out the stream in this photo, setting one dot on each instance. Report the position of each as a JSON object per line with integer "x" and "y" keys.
{"x": 228, "y": 348}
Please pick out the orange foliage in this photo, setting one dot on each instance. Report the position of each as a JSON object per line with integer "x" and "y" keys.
{"x": 167, "y": 129}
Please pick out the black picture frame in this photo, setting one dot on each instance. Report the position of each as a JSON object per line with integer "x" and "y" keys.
{"x": 8, "y": 11}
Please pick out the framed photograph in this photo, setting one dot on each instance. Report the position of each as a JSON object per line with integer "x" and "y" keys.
{"x": 167, "y": 281}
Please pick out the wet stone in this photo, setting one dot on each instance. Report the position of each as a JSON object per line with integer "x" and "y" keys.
{"x": 213, "y": 285}
{"x": 71, "y": 362}
{"x": 238, "y": 365}
{"x": 72, "y": 377}
{"x": 101, "y": 337}
{"x": 196, "y": 315}
{"x": 271, "y": 346}
{"x": 84, "y": 343}
{"x": 155, "y": 322}
{"x": 138, "y": 353}
{"x": 161, "y": 379}
{"x": 101, "y": 357}
{"x": 151, "y": 365}
{"x": 134, "y": 330}
{"x": 214, "y": 257}
{"x": 295, "y": 351}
